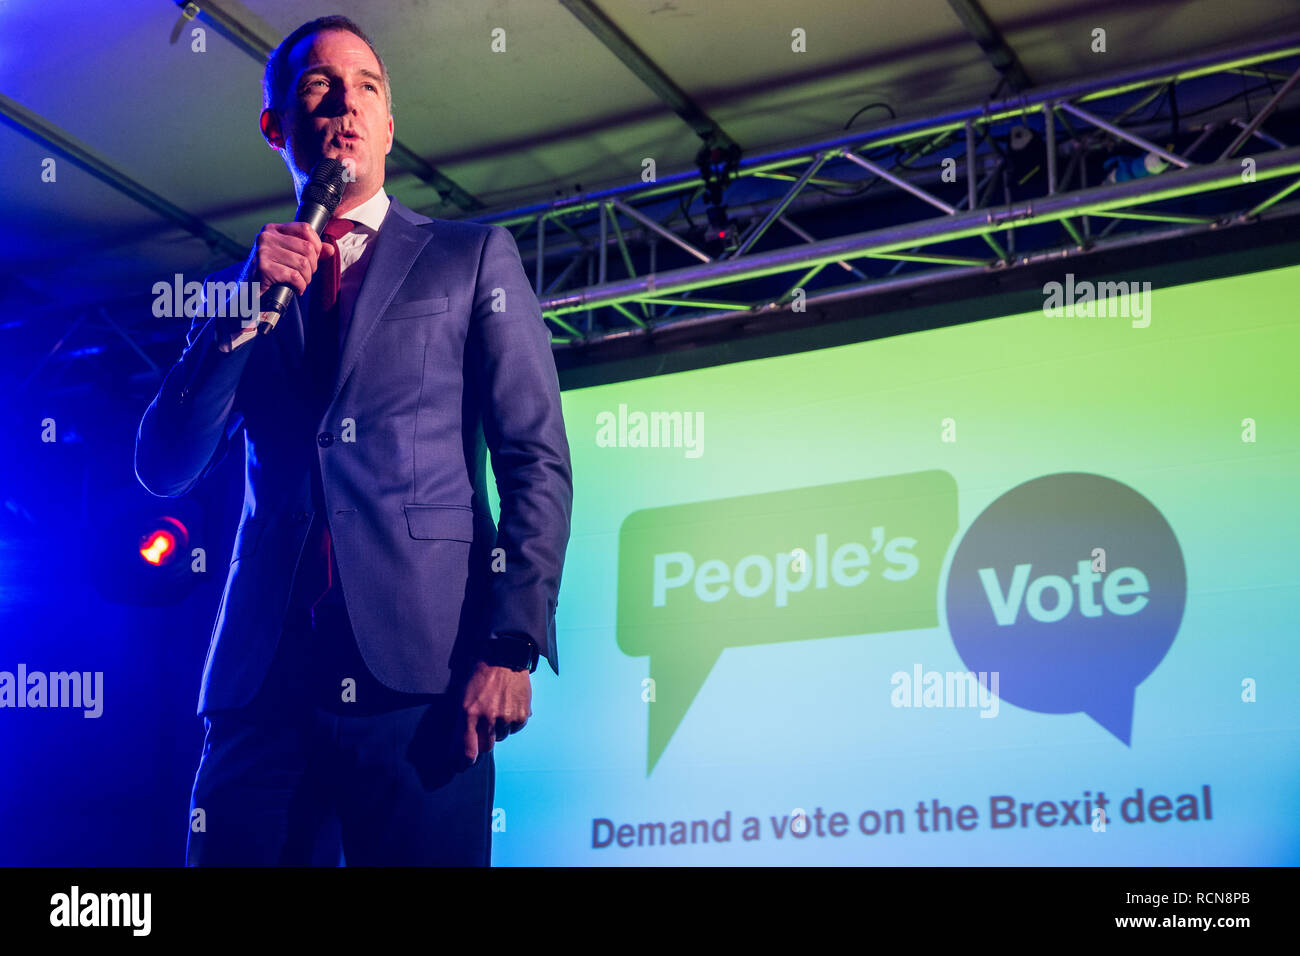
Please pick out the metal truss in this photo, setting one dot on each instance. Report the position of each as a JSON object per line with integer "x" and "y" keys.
{"x": 761, "y": 268}
{"x": 920, "y": 229}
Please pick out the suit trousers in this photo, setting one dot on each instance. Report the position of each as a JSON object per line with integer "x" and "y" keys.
{"x": 302, "y": 776}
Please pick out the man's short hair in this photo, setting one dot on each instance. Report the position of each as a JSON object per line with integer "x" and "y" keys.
{"x": 275, "y": 81}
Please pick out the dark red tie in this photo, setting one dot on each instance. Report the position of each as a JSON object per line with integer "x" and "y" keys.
{"x": 322, "y": 335}
{"x": 322, "y": 348}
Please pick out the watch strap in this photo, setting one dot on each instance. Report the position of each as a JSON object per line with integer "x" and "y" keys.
{"x": 513, "y": 651}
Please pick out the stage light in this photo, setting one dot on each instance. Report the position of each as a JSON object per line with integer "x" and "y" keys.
{"x": 721, "y": 236}
{"x": 159, "y": 548}
{"x": 1026, "y": 162}
{"x": 1120, "y": 169}
{"x": 165, "y": 538}
{"x": 139, "y": 550}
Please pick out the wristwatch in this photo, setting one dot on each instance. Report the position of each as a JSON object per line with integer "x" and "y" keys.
{"x": 510, "y": 650}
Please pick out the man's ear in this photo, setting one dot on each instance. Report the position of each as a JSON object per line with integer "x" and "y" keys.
{"x": 271, "y": 131}
{"x": 389, "y": 149}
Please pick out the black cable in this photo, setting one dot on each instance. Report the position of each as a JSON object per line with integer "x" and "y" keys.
{"x": 1215, "y": 106}
{"x": 1157, "y": 104}
{"x": 892, "y": 114}
{"x": 1244, "y": 94}
{"x": 684, "y": 204}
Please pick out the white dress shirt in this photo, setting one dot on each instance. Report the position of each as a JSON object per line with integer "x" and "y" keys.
{"x": 354, "y": 256}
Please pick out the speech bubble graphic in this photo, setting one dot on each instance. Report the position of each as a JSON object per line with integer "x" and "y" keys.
{"x": 856, "y": 557}
{"x": 1023, "y": 598}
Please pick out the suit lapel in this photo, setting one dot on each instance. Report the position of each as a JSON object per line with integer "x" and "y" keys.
{"x": 397, "y": 245}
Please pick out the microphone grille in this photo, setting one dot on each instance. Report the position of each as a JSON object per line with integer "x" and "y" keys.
{"x": 325, "y": 185}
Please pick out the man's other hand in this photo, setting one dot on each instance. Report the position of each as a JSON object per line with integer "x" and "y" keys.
{"x": 497, "y": 703}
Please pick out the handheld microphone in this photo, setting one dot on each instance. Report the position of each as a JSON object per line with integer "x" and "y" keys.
{"x": 320, "y": 197}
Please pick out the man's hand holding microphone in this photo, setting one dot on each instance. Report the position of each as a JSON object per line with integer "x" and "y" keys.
{"x": 285, "y": 256}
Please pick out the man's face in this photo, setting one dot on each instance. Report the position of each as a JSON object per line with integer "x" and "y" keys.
{"x": 335, "y": 108}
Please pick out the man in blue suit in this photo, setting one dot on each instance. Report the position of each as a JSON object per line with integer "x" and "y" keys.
{"x": 377, "y": 631}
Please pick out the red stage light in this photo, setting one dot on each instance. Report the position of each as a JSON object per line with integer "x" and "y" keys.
{"x": 159, "y": 549}
{"x": 160, "y": 544}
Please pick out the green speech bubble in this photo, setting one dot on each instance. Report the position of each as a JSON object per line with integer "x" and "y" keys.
{"x": 856, "y": 557}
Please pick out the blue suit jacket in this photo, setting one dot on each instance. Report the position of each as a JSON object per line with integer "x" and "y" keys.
{"x": 446, "y": 360}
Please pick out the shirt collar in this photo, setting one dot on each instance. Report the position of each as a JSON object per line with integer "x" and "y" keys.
{"x": 371, "y": 213}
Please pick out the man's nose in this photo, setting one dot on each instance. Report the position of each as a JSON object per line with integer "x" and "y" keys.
{"x": 352, "y": 99}
{"x": 342, "y": 100}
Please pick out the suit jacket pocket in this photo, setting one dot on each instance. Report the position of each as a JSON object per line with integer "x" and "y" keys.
{"x": 416, "y": 308}
{"x": 440, "y": 521}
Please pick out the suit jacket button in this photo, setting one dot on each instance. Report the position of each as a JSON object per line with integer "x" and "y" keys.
{"x": 325, "y": 439}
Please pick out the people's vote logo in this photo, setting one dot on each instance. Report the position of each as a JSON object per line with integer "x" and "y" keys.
{"x": 854, "y": 557}
{"x": 1072, "y": 588}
